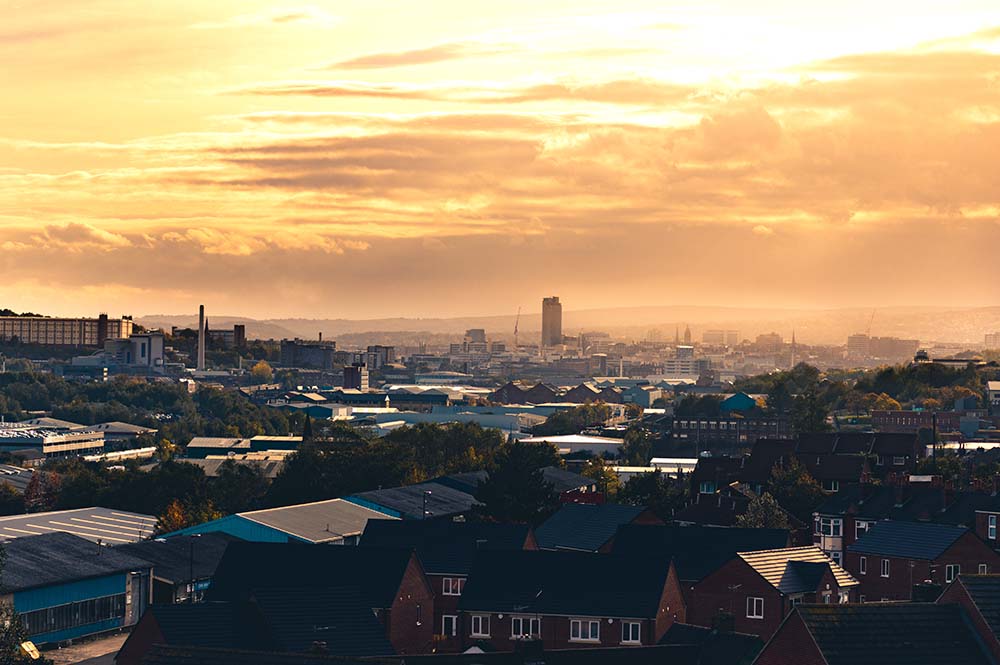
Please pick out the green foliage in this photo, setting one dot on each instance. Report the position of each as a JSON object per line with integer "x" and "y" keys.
{"x": 949, "y": 467}
{"x": 603, "y": 476}
{"x": 655, "y": 490}
{"x": 11, "y": 501}
{"x": 763, "y": 512}
{"x": 808, "y": 413}
{"x": 516, "y": 490}
{"x": 574, "y": 420}
{"x": 638, "y": 448}
{"x": 795, "y": 490}
{"x": 699, "y": 406}
{"x": 262, "y": 372}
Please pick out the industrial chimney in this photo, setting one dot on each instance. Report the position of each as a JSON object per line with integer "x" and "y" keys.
{"x": 201, "y": 338}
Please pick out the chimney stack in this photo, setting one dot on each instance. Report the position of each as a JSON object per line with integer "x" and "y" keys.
{"x": 201, "y": 338}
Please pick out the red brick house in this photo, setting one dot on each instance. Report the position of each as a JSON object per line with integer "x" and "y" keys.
{"x": 882, "y": 633}
{"x": 568, "y": 600}
{"x": 894, "y": 556}
{"x": 979, "y": 596}
{"x": 758, "y": 589}
{"x": 390, "y": 581}
{"x": 446, "y": 550}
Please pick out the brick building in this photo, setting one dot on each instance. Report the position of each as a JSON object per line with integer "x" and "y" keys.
{"x": 979, "y": 596}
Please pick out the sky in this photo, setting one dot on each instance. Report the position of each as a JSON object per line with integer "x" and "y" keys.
{"x": 377, "y": 158}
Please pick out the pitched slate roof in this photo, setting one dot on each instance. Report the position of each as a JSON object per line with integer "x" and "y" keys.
{"x": 984, "y": 590}
{"x": 669, "y": 654}
{"x": 172, "y": 557}
{"x": 716, "y": 648}
{"x": 408, "y": 502}
{"x": 911, "y": 540}
{"x": 297, "y": 618}
{"x": 249, "y": 567}
{"x": 893, "y": 634}
{"x": 564, "y": 583}
{"x": 161, "y": 654}
{"x": 212, "y": 624}
{"x": 58, "y": 558}
{"x": 695, "y": 550}
{"x": 443, "y": 546}
{"x": 584, "y": 527}
{"x": 561, "y": 480}
{"x": 796, "y": 569}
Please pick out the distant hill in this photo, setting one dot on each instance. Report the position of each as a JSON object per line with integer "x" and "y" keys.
{"x": 829, "y": 326}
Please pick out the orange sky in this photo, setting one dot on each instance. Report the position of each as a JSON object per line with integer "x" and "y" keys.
{"x": 362, "y": 159}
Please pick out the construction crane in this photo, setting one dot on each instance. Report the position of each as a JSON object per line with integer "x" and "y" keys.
{"x": 517, "y": 320}
{"x": 870, "y": 321}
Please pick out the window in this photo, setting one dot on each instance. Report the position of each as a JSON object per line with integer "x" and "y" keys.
{"x": 480, "y": 625}
{"x": 885, "y": 568}
{"x": 755, "y": 608}
{"x": 525, "y": 627}
{"x": 71, "y": 615}
{"x": 826, "y": 597}
{"x": 861, "y": 599}
{"x": 707, "y": 487}
{"x": 452, "y": 586}
{"x": 863, "y": 565}
{"x": 836, "y": 555}
{"x": 983, "y": 569}
{"x": 898, "y": 461}
{"x": 631, "y": 632}
{"x": 991, "y": 530}
{"x": 861, "y": 528}
{"x": 879, "y": 460}
{"x": 420, "y": 614}
{"x": 449, "y": 625}
{"x": 830, "y": 526}
{"x": 845, "y": 597}
{"x": 584, "y": 630}
{"x": 831, "y": 485}
{"x": 796, "y": 600}
{"x": 951, "y": 572}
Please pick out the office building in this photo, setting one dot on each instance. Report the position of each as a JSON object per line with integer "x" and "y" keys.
{"x": 378, "y": 355}
{"x": 992, "y": 340}
{"x": 769, "y": 342}
{"x": 551, "y": 321}
{"x": 301, "y": 353}
{"x": 356, "y": 377}
{"x": 63, "y": 331}
{"x": 721, "y": 337}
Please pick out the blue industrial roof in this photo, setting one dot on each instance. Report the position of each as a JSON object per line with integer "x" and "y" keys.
{"x": 911, "y": 540}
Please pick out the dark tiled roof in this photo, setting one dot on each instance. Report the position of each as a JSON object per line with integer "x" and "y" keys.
{"x": 409, "y": 501}
{"x": 444, "y": 546}
{"x": 376, "y": 572}
{"x": 298, "y": 618}
{"x": 764, "y": 455}
{"x": 893, "y": 634}
{"x": 695, "y": 550}
{"x": 214, "y": 624}
{"x": 171, "y": 557}
{"x": 719, "y": 509}
{"x": 161, "y": 654}
{"x": 560, "y": 479}
{"x": 565, "y": 583}
{"x": 58, "y": 558}
{"x": 584, "y": 527}
{"x": 842, "y": 468}
{"x": 817, "y": 443}
{"x": 716, "y": 648}
{"x": 672, "y": 654}
{"x": 985, "y": 593}
{"x": 894, "y": 444}
{"x": 912, "y": 540}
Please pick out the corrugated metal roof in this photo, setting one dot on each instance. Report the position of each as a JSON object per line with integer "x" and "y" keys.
{"x": 106, "y": 525}
{"x": 319, "y": 522}
{"x": 777, "y": 567}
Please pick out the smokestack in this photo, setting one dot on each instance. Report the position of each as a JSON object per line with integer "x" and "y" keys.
{"x": 201, "y": 338}
{"x": 321, "y": 336}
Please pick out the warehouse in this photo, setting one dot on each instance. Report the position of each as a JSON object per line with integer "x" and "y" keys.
{"x": 65, "y": 587}
{"x": 98, "y": 525}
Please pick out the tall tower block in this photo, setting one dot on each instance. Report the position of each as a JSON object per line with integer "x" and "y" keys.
{"x": 201, "y": 338}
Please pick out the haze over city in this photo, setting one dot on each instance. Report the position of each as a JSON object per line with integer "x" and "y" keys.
{"x": 386, "y": 159}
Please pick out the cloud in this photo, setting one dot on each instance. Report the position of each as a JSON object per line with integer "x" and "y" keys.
{"x": 311, "y": 16}
{"x": 762, "y": 230}
{"x": 419, "y": 56}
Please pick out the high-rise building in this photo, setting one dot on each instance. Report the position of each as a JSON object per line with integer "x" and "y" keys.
{"x": 721, "y": 337}
{"x": 551, "y": 321}
{"x": 992, "y": 340}
{"x": 64, "y": 332}
{"x": 356, "y": 377}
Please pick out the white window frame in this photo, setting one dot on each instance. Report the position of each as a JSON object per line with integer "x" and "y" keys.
{"x": 898, "y": 460}
{"x": 454, "y": 625}
{"x": 593, "y": 631}
{"x": 863, "y": 565}
{"x": 452, "y": 586}
{"x": 755, "y": 607}
{"x": 478, "y": 621}
{"x": 991, "y": 528}
{"x": 707, "y": 487}
{"x": 517, "y": 624}
{"x": 885, "y": 568}
{"x": 860, "y": 528}
{"x": 951, "y": 571}
{"x": 633, "y": 628}
{"x": 828, "y": 525}
{"x": 837, "y": 556}
{"x": 984, "y": 569}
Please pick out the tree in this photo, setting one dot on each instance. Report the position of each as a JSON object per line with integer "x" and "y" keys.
{"x": 603, "y": 476}
{"x": 42, "y": 492}
{"x": 262, "y": 372}
{"x": 883, "y": 402}
{"x": 174, "y": 518}
{"x": 808, "y": 413}
{"x": 307, "y": 429}
{"x": 638, "y": 448}
{"x": 165, "y": 450}
{"x": 655, "y": 490}
{"x": 516, "y": 490}
{"x": 573, "y": 420}
{"x": 11, "y": 501}
{"x": 238, "y": 487}
{"x": 763, "y": 512}
{"x": 795, "y": 490}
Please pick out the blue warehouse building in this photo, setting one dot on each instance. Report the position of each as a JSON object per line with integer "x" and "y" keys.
{"x": 65, "y": 587}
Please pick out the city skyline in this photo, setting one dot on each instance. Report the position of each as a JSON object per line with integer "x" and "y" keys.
{"x": 788, "y": 156}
